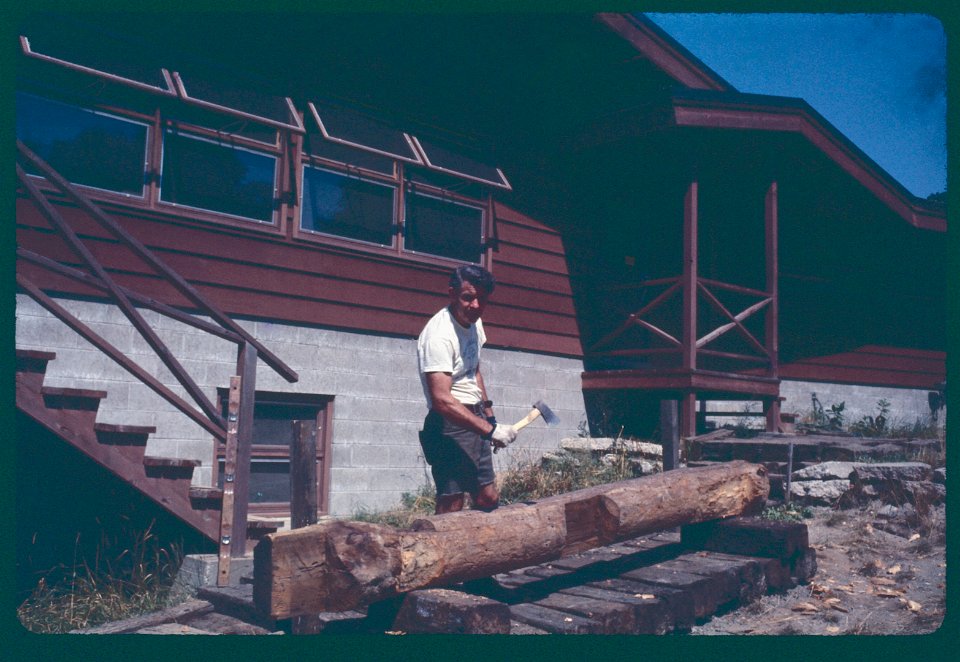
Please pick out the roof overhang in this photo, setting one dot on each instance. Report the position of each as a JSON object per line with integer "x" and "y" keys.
{"x": 763, "y": 113}
{"x": 660, "y": 48}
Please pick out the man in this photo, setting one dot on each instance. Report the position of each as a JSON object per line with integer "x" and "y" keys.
{"x": 460, "y": 427}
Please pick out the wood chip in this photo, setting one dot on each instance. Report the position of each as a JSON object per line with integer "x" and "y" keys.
{"x": 894, "y": 569}
{"x": 806, "y": 607}
{"x": 888, "y": 592}
{"x": 832, "y": 629}
{"x": 911, "y": 605}
{"x": 915, "y": 536}
{"x": 644, "y": 596}
{"x": 883, "y": 581}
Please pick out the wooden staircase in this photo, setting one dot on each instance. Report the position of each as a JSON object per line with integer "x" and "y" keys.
{"x": 71, "y": 415}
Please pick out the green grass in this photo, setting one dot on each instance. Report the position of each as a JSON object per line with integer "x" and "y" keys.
{"x": 526, "y": 482}
{"x": 787, "y": 512}
{"x": 117, "y": 583}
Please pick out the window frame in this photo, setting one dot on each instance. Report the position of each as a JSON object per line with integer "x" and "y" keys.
{"x": 97, "y": 192}
{"x": 232, "y": 142}
{"x": 403, "y": 187}
{"x": 180, "y": 85}
{"x": 367, "y": 176}
{"x": 448, "y": 198}
{"x": 105, "y": 75}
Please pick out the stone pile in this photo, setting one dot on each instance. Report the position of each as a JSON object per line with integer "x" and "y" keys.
{"x": 849, "y": 483}
{"x": 643, "y": 457}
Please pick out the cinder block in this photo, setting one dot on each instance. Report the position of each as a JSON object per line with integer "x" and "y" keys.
{"x": 200, "y": 570}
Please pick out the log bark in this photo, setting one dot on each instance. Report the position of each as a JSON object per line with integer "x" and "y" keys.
{"x": 341, "y": 565}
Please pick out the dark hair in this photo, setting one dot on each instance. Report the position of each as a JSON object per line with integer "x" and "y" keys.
{"x": 477, "y": 276}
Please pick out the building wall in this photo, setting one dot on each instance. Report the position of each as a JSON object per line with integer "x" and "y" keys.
{"x": 906, "y": 405}
{"x": 378, "y": 404}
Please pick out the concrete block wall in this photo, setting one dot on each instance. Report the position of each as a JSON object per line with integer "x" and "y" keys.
{"x": 906, "y": 405}
{"x": 378, "y": 403}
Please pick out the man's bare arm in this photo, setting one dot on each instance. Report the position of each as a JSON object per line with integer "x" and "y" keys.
{"x": 439, "y": 384}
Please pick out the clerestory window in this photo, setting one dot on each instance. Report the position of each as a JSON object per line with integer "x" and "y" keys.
{"x": 218, "y": 176}
{"x": 87, "y": 147}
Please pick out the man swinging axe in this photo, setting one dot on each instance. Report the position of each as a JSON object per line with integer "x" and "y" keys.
{"x": 460, "y": 429}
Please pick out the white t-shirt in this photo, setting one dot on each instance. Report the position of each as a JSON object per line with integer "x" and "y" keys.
{"x": 446, "y": 346}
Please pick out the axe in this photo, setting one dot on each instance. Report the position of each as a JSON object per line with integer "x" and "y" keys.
{"x": 540, "y": 409}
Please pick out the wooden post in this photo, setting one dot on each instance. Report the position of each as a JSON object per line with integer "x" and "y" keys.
{"x": 247, "y": 367}
{"x": 771, "y": 217}
{"x": 670, "y": 434}
{"x": 688, "y": 415}
{"x": 303, "y": 499}
{"x": 689, "y": 278}
{"x": 227, "y": 511}
{"x": 303, "y": 474}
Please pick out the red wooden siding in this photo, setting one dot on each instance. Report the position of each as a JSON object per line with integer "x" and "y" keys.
{"x": 872, "y": 365}
{"x": 268, "y": 276}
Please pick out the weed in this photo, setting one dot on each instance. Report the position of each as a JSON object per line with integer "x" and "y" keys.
{"x": 137, "y": 580}
{"x": 787, "y": 512}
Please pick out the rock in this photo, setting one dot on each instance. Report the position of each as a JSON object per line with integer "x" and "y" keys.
{"x": 643, "y": 467}
{"x": 819, "y": 492}
{"x": 888, "y": 511}
{"x": 890, "y": 471}
{"x": 611, "y": 445}
{"x": 825, "y": 471}
{"x": 924, "y": 493}
{"x": 940, "y": 475}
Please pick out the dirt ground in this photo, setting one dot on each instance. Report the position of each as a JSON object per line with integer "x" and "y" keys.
{"x": 876, "y": 574}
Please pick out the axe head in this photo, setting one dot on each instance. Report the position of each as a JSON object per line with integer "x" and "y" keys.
{"x": 546, "y": 413}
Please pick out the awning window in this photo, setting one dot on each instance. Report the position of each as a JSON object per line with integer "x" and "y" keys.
{"x": 350, "y": 127}
{"x": 244, "y": 103}
{"x": 88, "y": 65}
{"x": 456, "y": 163}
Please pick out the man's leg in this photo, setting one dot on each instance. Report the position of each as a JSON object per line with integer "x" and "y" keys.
{"x": 448, "y": 503}
{"x": 487, "y": 498}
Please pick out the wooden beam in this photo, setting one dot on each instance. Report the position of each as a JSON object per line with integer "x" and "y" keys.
{"x": 247, "y": 368}
{"x": 119, "y": 357}
{"x": 772, "y": 322}
{"x": 340, "y": 565}
{"x": 116, "y": 294}
{"x": 303, "y": 474}
{"x": 227, "y": 528}
{"x": 670, "y": 434}
{"x": 689, "y": 278}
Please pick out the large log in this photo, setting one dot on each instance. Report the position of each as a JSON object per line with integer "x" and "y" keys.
{"x": 341, "y": 565}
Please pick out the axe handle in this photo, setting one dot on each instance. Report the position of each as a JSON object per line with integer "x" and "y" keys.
{"x": 527, "y": 420}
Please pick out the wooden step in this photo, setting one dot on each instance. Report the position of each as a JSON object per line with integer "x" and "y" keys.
{"x": 31, "y": 366}
{"x": 206, "y": 493}
{"x": 176, "y": 468}
{"x": 33, "y": 360}
{"x": 135, "y": 435}
{"x": 76, "y": 399}
{"x": 172, "y": 462}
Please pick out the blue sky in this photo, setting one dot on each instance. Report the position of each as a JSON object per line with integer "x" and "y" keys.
{"x": 878, "y": 78}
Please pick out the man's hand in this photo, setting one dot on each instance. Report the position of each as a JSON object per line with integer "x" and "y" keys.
{"x": 502, "y": 435}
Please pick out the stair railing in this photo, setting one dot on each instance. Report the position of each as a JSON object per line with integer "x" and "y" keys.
{"x": 249, "y": 348}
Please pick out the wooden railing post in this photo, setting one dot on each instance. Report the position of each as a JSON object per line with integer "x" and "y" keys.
{"x": 247, "y": 367}
{"x": 303, "y": 474}
{"x": 227, "y": 529}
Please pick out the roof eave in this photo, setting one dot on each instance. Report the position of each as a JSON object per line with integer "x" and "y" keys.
{"x": 665, "y": 52}
{"x": 800, "y": 118}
